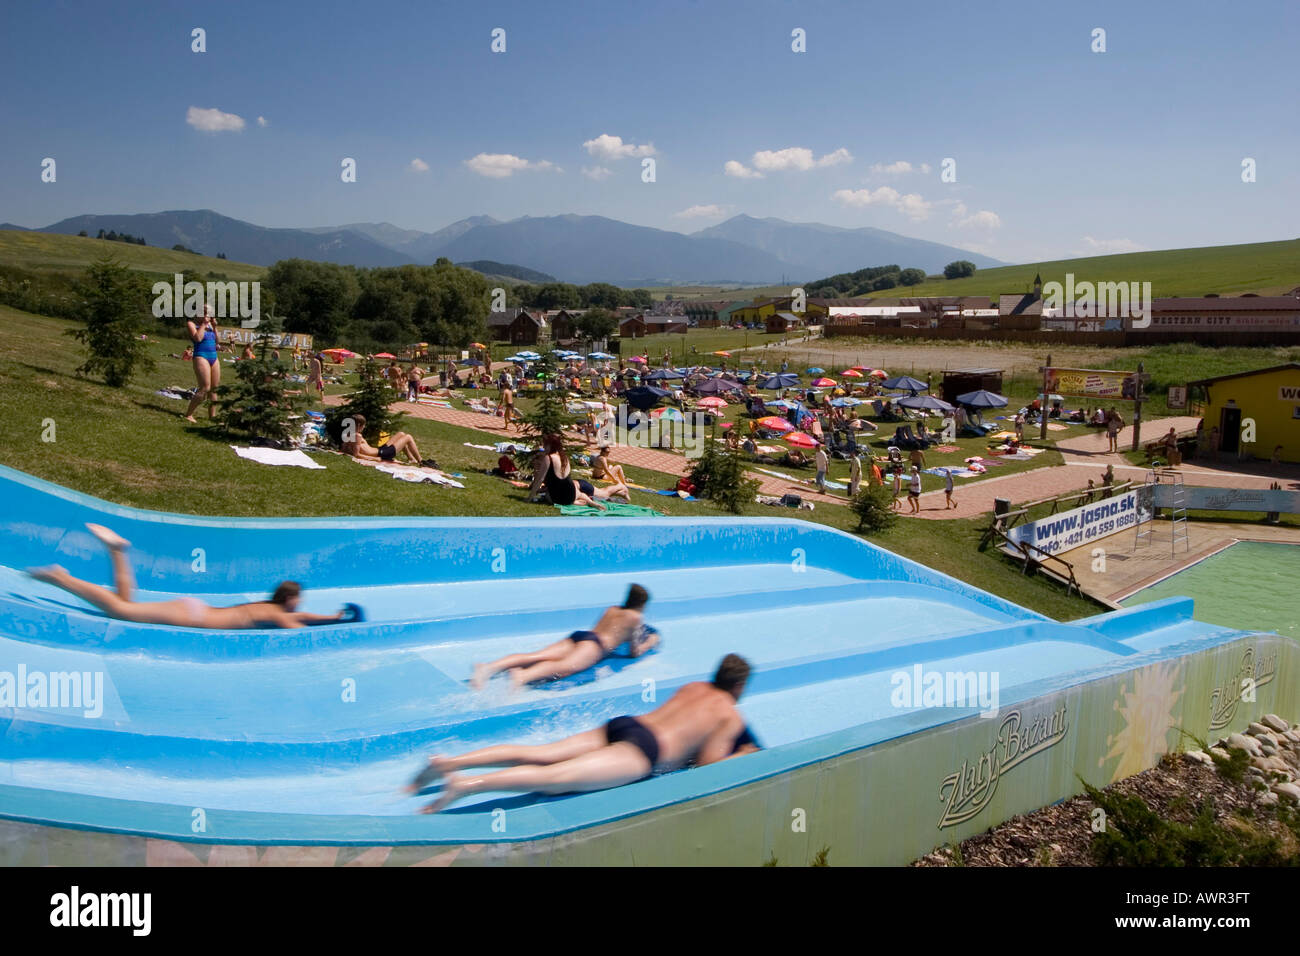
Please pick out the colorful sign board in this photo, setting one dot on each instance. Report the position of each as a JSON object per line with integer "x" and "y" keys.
{"x": 1177, "y": 396}
{"x": 279, "y": 340}
{"x": 1092, "y": 383}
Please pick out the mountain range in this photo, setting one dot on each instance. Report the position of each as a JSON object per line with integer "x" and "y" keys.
{"x": 572, "y": 248}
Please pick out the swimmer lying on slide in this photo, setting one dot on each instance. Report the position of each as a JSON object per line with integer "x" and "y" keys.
{"x": 581, "y": 649}
{"x": 280, "y": 611}
{"x": 698, "y": 725}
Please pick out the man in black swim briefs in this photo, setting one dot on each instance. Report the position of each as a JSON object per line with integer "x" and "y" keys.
{"x": 581, "y": 649}
{"x": 698, "y": 725}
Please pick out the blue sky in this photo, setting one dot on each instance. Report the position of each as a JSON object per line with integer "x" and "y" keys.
{"x": 1059, "y": 150}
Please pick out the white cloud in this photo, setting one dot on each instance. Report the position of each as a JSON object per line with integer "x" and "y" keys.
{"x": 1107, "y": 247}
{"x": 925, "y": 168}
{"x": 418, "y": 166}
{"x": 984, "y": 219}
{"x": 711, "y": 211}
{"x": 892, "y": 169}
{"x": 910, "y": 204}
{"x": 798, "y": 158}
{"x": 740, "y": 170}
{"x": 608, "y": 148}
{"x": 597, "y": 173}
{"x": 263, "y": 121}
{"x": 213, "y": 121}
{"x": 501, "y": 165}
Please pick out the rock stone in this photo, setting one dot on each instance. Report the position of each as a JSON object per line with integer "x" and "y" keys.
{"x": 1242, "y": 742}
{"x": 1199, "y": 756}
{"x": 1220, "y": 753}
{"x": 1268, "y": 799}
{"x": 1275, "y": 722}
{"x": 1287, "y": 790}
{"x": 1256, "y": 730}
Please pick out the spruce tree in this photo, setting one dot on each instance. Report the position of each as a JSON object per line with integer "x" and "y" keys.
{"x": 114, "y": 313}
{"x": 371, "y": 399}
{"x": 257, "y": 405}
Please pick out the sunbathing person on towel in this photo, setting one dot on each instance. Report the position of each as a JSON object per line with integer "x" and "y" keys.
{"x": 279, "y": 611}
{"x": 581, "y": 649}
{"x": 397, "y": 442}
{"x": 698, "y": 725}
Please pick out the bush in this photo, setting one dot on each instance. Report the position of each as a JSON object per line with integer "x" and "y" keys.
{"x": 371, "y": 401}
{"x": 257, "y": 404}
{"x": 874, "y": 507}
{"x": 719, "y": 475}
{"x": 550, "y": 415}
{"x": 959, "y": 269}
{"x": 113, "y": 310}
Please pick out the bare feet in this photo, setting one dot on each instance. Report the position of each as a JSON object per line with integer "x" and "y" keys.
{"x": 481, "y": 674}
{"x": 450, "y": 791}
{"x": 50, "y": 575}
{"x": 190, "y": 419}
{"x": 109, "y": 538}
{"x": 432, "y": 771}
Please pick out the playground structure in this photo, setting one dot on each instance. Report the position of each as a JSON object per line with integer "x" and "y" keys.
{"x": 290, "y": 746}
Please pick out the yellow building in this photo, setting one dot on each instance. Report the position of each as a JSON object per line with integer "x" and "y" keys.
{"x": 760, "y": 310}
{"x": 1254, "y": 412}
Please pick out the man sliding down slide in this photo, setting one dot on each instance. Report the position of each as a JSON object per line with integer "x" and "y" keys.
{"x": 581, "y": 649}
{"x": 280, "y": 611}
{"x": 699, "y": 724}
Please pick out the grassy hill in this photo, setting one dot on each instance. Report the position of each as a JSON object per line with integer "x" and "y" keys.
{"x": 1268, "y": 268}
{"x": 49, "y": 252}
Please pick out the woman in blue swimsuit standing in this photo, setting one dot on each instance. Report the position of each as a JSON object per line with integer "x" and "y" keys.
{"x": 207, "y": 367}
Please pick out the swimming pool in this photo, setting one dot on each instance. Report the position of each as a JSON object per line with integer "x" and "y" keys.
{"x": 1249, "y": 584}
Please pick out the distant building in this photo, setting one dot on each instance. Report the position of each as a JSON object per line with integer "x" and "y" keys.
{"x": 1269, "y": 396}
{"x": 632, "y": 327}
{"x": 1243, "y": 313}
{"x": 518, "y": 326}
{"x": 1020, "y": 310}
{"x": 779, "y": 322}
{"x": 563, "y": 323}
{"x": 709, "y": 314}
{"x": 661, "y": 324}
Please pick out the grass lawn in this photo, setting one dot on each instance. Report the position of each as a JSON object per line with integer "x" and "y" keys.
{"x": 49, "y": 252}
{"x": 132, "y": 446}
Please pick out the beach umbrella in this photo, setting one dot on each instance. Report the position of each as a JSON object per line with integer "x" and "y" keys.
{"x": 667, "y": 415}
{"x": 925, "y": 403}
{"x": 1050, "y": 398}
{"x": 824, "y": 383}
{"x": 644, "y": 396}
{"x": 781, "y": 380}
{"x": 717, "y": 386}
{"x": 816, "y": 371}
{"x": 802, "y": 439}
{"x": 774, "y": 424}
{"x": 473, "y": 345}
{"x": 723, "y": 354}
{"x": 906, "y": 383}
{"x": 600, "y": 356}
{"x": 878, "y": 373}
{"x": 474, "y": 362}
{"x": 713, "y": 402}
{"x": 662, "y": 374}
{"x": 637, "y": 359}
{"x": 783, "y": 403}
{"x": 846, "y": 402}
{"x": 388, "y": 355}
{"x": 851, "y": 373}
{"x": 981, "y": 399}
{"x": 530, "y": 355}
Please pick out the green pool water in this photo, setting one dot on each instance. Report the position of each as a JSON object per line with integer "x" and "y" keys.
{"x": 1250, "y": 585}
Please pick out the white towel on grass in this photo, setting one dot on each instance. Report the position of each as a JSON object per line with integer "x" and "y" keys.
{"x": 411, "y": 473}
{"x": 275, "y": 456}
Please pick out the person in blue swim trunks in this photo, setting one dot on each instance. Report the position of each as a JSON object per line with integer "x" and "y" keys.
{"x": 698, "y": 725}
{"x": 581, "y": 649}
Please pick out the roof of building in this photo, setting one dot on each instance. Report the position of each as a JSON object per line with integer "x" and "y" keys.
{"x": 1239, "y": 303}
{"x": 1019, "y": 303}
{"x": 1259, "y": 371}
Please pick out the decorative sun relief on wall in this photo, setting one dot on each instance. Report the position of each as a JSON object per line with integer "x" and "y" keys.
{"x": 1148, "y": 714}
